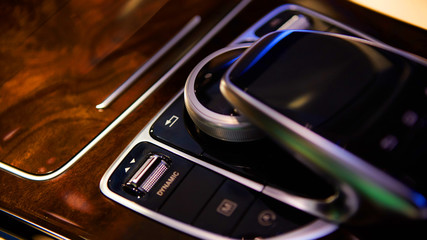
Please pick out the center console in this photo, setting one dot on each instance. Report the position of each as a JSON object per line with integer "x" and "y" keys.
{"x": 200, "y": 167}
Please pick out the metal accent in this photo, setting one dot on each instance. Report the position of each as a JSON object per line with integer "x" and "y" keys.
{"x": 221, "y": 24}
{"x": 36, "y": 226}
{"x": 220, "y": 126}
{"x": 144, "y": 67}
{"x": 315, "y": 230}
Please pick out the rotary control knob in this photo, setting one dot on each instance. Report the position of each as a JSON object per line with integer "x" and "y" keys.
{"x": 206, "y": 106}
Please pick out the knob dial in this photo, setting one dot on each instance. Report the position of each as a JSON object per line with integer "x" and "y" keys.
{"x": 206, "y": 106}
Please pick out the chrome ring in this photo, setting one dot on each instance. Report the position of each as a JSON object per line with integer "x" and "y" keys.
{"x": 231, "y": 128}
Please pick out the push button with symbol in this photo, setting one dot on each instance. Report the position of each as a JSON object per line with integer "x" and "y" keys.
{"x": 266, "y": 218}
{"x": 226, "y": 207}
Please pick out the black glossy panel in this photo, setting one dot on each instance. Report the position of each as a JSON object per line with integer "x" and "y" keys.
{"x": 192, "y": 194}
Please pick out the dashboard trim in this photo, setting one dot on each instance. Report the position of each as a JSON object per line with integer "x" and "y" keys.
{"x": 221, "y": 24}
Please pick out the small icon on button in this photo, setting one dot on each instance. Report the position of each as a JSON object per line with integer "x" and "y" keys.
{"x": 266, "y": 218}
{"x": 389, "y": 142}
{"x": 171, "y": 121}
{"x": 226, "y": 207}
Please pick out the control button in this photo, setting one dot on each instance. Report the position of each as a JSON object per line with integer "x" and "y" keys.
{"x": 225, "y": 209}
{"x": 171, "y": 128}
{"x": 389, "y": 142}
{"x": 192, "y": 194}
{"x": 409, "y": 118}
{"x": 260, "y": 221}
{"x": 164, "y": 171}
{"x": 147, "y": 175}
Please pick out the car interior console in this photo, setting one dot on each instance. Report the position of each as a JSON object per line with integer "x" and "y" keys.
{"x": 229, "y": 119}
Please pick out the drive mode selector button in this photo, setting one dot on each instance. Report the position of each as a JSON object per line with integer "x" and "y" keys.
{"x": 205, "y": 104}
{"x": 148, "y": 175}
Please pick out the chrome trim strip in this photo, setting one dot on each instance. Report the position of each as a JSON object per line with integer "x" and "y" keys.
{"x": 221, "y": 24}
{"x": 316, "y": 229}
{"x": 36, "y": 226}
{"x": 193, "y": 23}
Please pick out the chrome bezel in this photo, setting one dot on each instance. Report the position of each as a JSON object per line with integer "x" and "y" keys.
{"x": 224, "y": 127}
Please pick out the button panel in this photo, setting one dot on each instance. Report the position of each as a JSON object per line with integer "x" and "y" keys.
{"x": 262, "y": 220}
